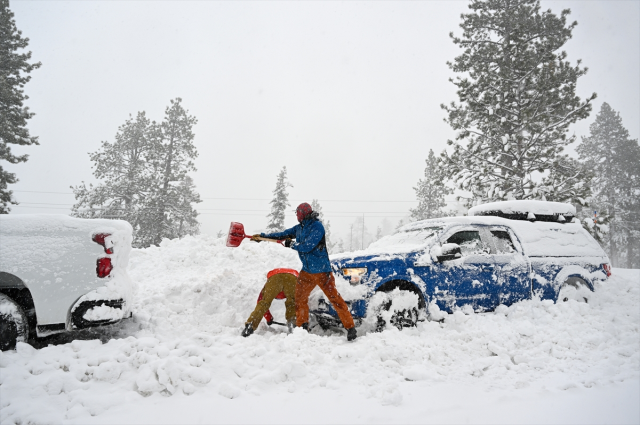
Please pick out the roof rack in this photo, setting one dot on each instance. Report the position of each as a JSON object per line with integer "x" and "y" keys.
{"x": 531, "y": 210}
{"x": 528, "y": 216}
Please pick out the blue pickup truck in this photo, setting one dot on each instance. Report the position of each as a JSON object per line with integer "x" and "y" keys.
{"x": 501, "y": 253}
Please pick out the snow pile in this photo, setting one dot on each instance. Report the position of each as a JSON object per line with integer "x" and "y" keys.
{"x": 184, "y": 344}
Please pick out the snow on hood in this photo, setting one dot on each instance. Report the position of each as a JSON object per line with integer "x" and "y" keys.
{"x": 195, "y": 295}
{"x": 406, "y": 240}
{"x": 525, "y": 206}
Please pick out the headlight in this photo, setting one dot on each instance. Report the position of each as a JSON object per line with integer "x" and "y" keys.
{"x": 355, "y": 275}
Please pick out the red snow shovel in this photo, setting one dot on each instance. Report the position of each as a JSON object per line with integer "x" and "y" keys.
{"x": 237, "y": 235}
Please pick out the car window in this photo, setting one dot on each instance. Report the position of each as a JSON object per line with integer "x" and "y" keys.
{"x": 469, "y": 241}
{"x": 502, "y": 242}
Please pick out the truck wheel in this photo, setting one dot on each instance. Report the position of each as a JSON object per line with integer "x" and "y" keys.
{"x": 574, "y": 288}
{"x": 402, "y": 316}
{"x": 13, "y": 324}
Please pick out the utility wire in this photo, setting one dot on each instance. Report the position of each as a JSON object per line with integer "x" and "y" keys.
{"x": 212, "y": 209}
{"x": 236, "y": 199}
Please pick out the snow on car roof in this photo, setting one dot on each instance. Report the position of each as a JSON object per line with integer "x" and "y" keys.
{"x": 524, "y": 206}
{"x": 56, "y": 222}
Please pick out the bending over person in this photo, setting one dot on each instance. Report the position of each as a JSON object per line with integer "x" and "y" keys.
{"x": 281, "y": 283}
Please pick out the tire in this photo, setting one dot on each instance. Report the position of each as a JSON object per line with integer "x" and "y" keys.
{"x": 574, "y": 288}
{"x": 14, "y": 327}
{"x": 401, "y": 318}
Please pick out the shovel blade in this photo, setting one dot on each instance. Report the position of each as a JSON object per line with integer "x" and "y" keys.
{"x": 236, "y": 235}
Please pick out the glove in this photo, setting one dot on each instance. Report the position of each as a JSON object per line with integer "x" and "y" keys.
{"x": 255, "y": 237}
{"x": 287, "y": 242}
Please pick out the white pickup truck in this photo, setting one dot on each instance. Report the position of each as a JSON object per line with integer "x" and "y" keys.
{"x": 59, "y": 273}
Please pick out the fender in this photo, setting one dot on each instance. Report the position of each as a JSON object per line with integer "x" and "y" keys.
{"x": 9, "y": 281}
{"x": 405, "y": 277}
{"x": 576, "y": 271}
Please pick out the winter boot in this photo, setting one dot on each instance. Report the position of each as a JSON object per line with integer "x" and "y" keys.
{"x": 351, "y": 334}
{"x": 305, "y": 326}
{"x": 248, "y": 330}
{"x": 290, "y": 325}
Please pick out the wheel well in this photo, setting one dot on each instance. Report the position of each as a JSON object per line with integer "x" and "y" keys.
{"x": 577, "y": 279}
{"x": 403, "y": 285}
{"x": 22, "y": 297}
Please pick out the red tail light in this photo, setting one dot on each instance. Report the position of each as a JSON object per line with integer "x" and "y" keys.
{"x": 607, "y": 269}
{"x": 103, "y": 267}
{"x": 99, "y": 238}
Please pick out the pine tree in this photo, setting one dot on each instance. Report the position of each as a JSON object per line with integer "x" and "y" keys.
{"x": 431, "y": 191}
{"x": 315, "y": 206}
{"x": 123, "y": 167}
{"x": 174, "y": 159}
{"x": 279, "y": 203}
{"x": 143, "y": 178}
{"x": 517, "y": 98}
{"x": 14, "y": 70}
{"x": 614, "y": 159}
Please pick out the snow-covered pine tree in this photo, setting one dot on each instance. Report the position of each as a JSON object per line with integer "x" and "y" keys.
{"x": 315, "y": 206}
{"x": 143, "y": 178}
{"x": 614, "y": 159}
{"x": 279, "y": 203}
{"x": 14, "y": 70}
{"x": 517, "y": 98}
{"x": 431, "y": 191}
{"x": 126, "y": 176}
{"x": 173, "y": 160}
{"x": 181, "y": 218}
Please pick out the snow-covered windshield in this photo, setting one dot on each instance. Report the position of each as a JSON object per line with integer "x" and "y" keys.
{"x": 405, "y": 241}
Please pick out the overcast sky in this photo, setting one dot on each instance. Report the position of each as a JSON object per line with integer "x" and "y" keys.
{"x": 345, "y": 94}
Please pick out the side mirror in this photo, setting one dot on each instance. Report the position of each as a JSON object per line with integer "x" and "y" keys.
{"x": 446, "y": 252}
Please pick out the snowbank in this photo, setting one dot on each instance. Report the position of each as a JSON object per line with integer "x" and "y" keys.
{"x": 182, "y": 356}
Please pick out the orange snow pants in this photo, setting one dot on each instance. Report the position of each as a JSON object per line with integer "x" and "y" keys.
{"x": 326, "y": 282}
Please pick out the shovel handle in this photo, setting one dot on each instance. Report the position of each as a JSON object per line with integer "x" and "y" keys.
{"x": 260, "y": 238}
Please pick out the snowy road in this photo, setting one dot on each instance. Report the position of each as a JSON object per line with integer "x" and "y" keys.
{"x": 181, "y": 358}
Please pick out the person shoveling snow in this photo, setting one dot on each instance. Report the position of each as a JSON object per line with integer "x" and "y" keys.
{"x": 281, "y": 284}
{"x": 311, "y": 245}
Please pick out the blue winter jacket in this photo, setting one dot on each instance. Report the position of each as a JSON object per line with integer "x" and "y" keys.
{"x": 310, "y": 244}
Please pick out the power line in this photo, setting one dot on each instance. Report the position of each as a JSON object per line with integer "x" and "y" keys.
{"x": 219, "y": 209}
{"x": 235, "y": 199}
{"x": 234, "y": 213}
{"x": 37, "y": 191}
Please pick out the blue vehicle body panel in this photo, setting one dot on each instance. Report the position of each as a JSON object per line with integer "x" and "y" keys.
{"x": 482, "y": 280}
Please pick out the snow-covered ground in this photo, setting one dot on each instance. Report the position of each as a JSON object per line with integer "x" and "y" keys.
{"x": 181, "y": 358}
